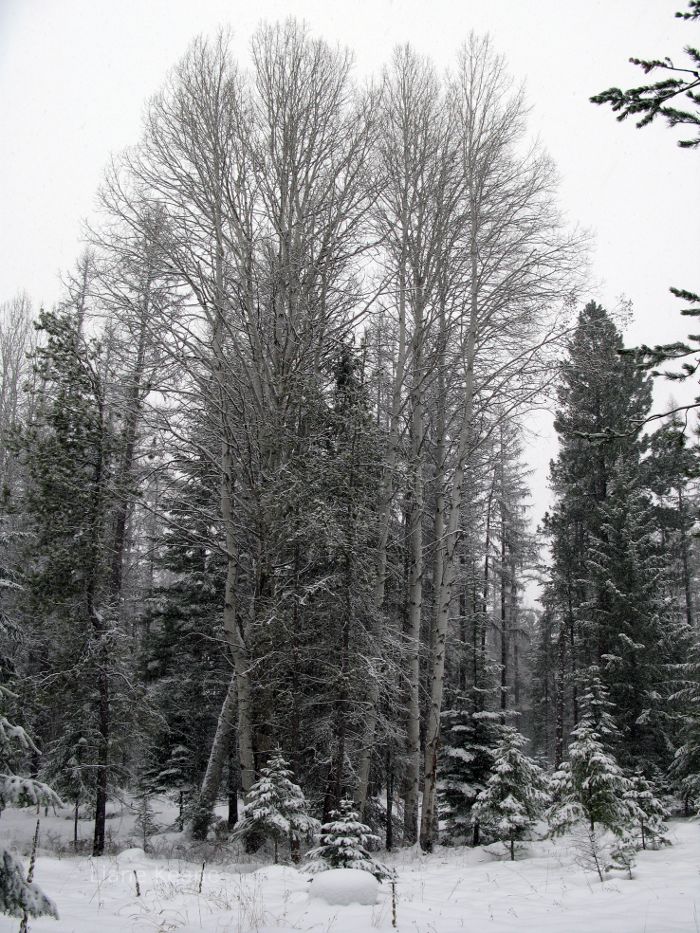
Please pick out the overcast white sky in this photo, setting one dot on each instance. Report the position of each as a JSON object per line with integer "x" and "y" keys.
{"x": 74, "y": 76}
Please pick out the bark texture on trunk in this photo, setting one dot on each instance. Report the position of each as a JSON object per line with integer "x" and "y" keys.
{"x": 215, "y": 766}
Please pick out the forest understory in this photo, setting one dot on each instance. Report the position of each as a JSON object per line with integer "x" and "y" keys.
{"x": 451, "y": 891}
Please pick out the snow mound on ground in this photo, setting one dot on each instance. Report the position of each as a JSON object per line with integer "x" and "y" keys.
{"x": 276, "y": 873}
{"x": 345, "y": 886}
{"x": 131, "y": 857}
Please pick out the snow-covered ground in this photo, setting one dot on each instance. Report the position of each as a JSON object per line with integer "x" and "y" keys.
{"x": 451, "y": 890}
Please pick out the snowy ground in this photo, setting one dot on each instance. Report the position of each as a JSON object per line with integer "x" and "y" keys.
{"x": 451, "y": 890}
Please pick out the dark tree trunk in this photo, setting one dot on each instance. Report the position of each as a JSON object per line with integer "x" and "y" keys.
{"x": 98, "y": 846}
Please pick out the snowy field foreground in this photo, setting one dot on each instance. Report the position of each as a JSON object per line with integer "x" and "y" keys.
{"x": 452, "y": 890}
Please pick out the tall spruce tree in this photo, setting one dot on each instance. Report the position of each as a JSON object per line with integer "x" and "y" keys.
{"x": 183, "y": 668}
{"x": 603, "y": 400}
{"x": 70, "y": 451}
{"x": 628, "y": 619}
{"x": 72, "y": 606}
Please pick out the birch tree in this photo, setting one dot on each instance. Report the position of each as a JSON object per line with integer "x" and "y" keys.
{"x": 263, "y": 185}
{"x": 518, "y": 265}
{"x": 415, "y": 215}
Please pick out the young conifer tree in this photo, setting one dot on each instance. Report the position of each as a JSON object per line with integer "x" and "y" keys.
{"x": 589, "y": 787}
{"x": 18, "y": 896}
{"x": 175, "y": 777}
{"x": 515, "y": 794}
{"x": 649, "y": 812}
{"x": 684, "y": 770}
{"x": 276, "y": 809}
{"x": 344, "y": 841}
{"x": 470, "y": 737}
{"x": 623, "y": 854}
{"x": 145, "y": 824}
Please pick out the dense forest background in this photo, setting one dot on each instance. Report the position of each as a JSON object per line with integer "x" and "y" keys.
{"x": 262, "y": 479}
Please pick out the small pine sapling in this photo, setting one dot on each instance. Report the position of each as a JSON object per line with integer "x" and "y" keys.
{"x": 590, "y": 851}
{"x": 70, "y": 770}
{"x": 515, "y": 794}
{"x": 145, "y": 823}
{"x": 276, "y": 809}
{"x": 589, "y": 788}
{"x": 19, "y": 896}
{"x": 466, "y": 760}
{"x": 648, "y": 811}
{"x": 175, "y": 777}
{"x": 623, "y": 854}
{"x": 343, "y": 844}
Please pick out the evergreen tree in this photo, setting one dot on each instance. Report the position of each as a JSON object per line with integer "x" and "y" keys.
{"x": 19, "y": 897}
{"x": 71, "y": 607}
{"x": 323, "y": 628}
{"x": 145, "y": 823}
{"x": 671, "y": 468}
{"x": 627, "y": 618}
{"x": 685, "y": 767}
{"x": 515, "y": 793}
{"x": 343, "y": 844}
{"x": 623, "y": 854}
{"x": 276, "y": 809}
{"x": 590, "y": 787}
{"x": 185, "y": 672}
{"x": 175, "y": 777}
{"x": 684, "y": 770}
{"x": 470, "y": 738}
{"x": 662, "y": 98}
{"x": 597, "y": 707}
{"x": 603, "y": 400}
{"x": 649, "y": 812}
{"x": 548, "y": 664}
{"x": 69, "y": 769}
